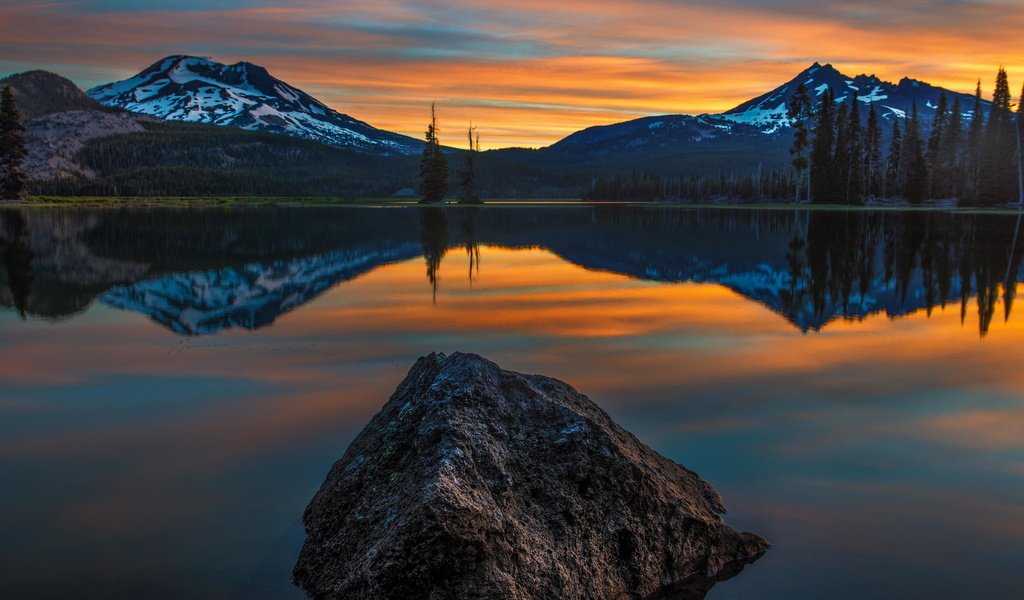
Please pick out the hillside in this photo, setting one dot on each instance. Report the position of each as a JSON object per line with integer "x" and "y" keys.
{"x": 759, "y": 124}
{"x": 77, "y": 146}
{"x": 40, "y": 93}
{"x": 247, "y": 96}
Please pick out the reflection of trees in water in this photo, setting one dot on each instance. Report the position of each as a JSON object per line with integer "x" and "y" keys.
{"x": 470, "y": 242}
{"x": 809, "y": 266}
{"x": 434, "y": 237}
{"x": 924, "y": 254}
{"x": 17, "y": 259}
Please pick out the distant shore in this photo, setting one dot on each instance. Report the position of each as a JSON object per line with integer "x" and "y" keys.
{"x": 325, "y": 201}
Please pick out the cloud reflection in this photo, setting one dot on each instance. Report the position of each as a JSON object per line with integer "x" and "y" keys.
{"x": 850, "y": 447}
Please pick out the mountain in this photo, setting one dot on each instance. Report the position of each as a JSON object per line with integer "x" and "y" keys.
{"x": 684, "y": 140}
{"x": 40, "y": 93}
{"x": 77, "y": 146}
{"x": 891, "y": 101}
{"x": 60, "y": 121}
{"x": 161, "y": 136}
{"x": 751, "y": 123}
{"x": 243, "y": 95}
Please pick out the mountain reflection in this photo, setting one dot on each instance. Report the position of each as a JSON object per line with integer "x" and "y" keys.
{"x": 202, "y": 271}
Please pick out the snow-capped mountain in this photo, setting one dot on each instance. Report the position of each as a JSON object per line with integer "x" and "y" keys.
{"x": 891, "y": 101}
{"x": 747, "y": 125}
{"x": 200, "y": 90}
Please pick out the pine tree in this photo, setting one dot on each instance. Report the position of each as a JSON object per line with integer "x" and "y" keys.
{"x": 469, "y": 193}
{"x": 12, "y": 148}
{"x": 998, "y": 151}
{"x": 948, "y": 175}
{"x": 822, "y": 183}
{"x": 916, "y": 166}
{"x": 1020, "y": 148}
{"x": 434, "y": 165}
{"x": 855, "y": 141}
{"x": 972, "y": 161}
{"x": 799, "y": 112}
{"x": 874, "y": 172}
{"x": 892, "y": 176}
{"x": 935, "y": 142}
{"x": 841, "y": 155}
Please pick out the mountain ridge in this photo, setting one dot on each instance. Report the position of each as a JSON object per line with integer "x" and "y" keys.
{"x": 764, "y": 115}
{"x": 245, "y": 95}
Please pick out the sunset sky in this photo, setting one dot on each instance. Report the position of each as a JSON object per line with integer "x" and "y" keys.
{"x": 526, "y": 72}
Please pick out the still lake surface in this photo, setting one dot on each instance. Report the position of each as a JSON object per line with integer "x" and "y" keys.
{"x": 176, "y": 383}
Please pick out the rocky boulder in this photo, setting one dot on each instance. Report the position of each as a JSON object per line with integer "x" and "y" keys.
{"x": 478, "y": 483}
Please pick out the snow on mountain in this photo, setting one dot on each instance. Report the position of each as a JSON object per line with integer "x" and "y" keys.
{"x": 244, "y": 95}
{"x": 762, "y": 117}
{"x": 891, "y": 101}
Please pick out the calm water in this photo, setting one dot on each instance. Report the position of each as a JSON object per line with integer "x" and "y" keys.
{"x": 175, "y": 384}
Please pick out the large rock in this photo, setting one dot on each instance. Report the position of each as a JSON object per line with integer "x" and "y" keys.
{"x": 475, "y": 482}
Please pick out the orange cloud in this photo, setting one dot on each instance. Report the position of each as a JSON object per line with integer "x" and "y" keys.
{"x": 528, "y": 73}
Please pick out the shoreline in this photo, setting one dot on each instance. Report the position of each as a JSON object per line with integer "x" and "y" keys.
{"x": 120, "y": 202}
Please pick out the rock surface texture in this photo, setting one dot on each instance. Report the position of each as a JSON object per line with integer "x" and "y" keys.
{"x": 474, "y": 482}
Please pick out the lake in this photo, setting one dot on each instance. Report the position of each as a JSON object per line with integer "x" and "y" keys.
{"x": 176, "y": 383}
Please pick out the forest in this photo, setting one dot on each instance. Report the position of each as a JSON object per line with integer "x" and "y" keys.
{"x": 842, "y": 156}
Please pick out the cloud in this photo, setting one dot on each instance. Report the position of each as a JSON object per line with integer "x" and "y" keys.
{"x": 529, "y": 71}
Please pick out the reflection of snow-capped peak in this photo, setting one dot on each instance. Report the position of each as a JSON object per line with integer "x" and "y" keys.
{"x": 251, "y": 296}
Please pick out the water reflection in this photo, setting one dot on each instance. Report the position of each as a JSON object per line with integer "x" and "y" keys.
{"x": 200, "y": 272}
{"x": 434, "y": 237}
{"x": 882, "y": 457}
{"x": 17, "y": 260}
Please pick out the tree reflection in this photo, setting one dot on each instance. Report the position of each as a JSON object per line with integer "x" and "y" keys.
{"x": 434, "y": 237}
{"x": 470, "y": 242}
{"x": 17, "y": 260}
{"x": 810, "y": 266}
{"x": 925, "y": 256}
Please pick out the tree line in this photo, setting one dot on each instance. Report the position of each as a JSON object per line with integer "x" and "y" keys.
{"x": 971, "y": 157}
{"x": 759, "y": 185}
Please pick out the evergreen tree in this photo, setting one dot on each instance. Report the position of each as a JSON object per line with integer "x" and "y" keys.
{"x": 997, "y": 173}
{"x": 874, "y": 173}
{"x": 948, "y": 173}
{"x": 855, "y": 142}
{"x": 12, "y": 148}
{"x": 892, "y": 174}
{"x": 821, "y": 153}
{"x": 799, "y": 112}
{"x": 469, "y": 192}
{"x": 935, "y": 143}
{"x": 1020, "y": 149}
{"x": 975, "y": 135}
{"x": 434, "y": 164}
{"x": 916, "y": 166}
{"x": 841, "y": 156}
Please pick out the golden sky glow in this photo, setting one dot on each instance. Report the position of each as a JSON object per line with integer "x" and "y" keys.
{"x": 527, "y": 72}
